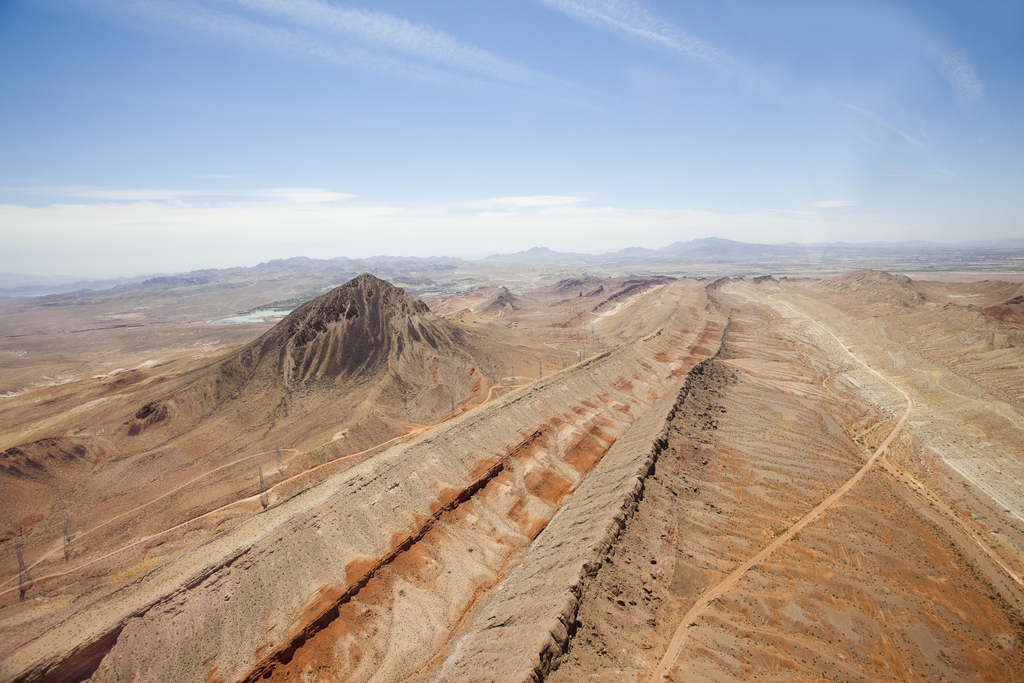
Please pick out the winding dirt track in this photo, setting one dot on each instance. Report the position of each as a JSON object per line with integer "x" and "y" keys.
{"x": 679, "y": 638}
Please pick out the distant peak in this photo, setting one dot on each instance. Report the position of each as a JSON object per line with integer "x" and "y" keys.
{"x": 339, "y": 302}
{"x": 365, "y": 279}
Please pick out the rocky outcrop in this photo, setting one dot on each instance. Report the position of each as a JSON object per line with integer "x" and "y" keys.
{"x": 348, "y": 334}
{"x": 630, "y": 288}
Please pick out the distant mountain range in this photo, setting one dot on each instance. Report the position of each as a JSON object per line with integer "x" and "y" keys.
{"x": 416, "y": 273}
{"x": 718, "y": 250}
{"x": 399, "y": 269}
{"x": 16, "y": 284}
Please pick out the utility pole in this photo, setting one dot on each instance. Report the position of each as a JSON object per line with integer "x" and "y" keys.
{"x": 68, "y": 549}
{"x": 25, "y": 580}
{"x": 540, "y": 369}
{"x": 264, "y": 498}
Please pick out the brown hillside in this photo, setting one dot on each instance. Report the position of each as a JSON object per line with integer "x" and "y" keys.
{"x": 874, "y": 287}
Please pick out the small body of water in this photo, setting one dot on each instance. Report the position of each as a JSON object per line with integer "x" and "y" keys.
{"x": 254, "y": 317}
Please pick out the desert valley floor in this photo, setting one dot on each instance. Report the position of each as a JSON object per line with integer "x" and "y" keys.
{"x": 579, "y": 479}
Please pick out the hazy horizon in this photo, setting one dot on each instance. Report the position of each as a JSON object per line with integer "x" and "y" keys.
{"x": 60, "y": 278}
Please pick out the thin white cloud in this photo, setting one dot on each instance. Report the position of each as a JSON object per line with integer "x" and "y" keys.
{"x": 900, "y": 172}
{"x": 535, "y": 200}
{"x": 303, "y": 195}
{"x": 957, "y": 67}
{"x": 292, "y": 195}
{"x": 632, "y": 19}
{"x": 880, "y": 121}
{"x": 833, "y": 204}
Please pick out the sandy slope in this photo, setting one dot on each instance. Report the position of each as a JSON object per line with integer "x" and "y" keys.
{"x": 882, "y": 586}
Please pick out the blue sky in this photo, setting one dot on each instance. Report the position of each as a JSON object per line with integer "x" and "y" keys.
{"x": 159, "y": 135}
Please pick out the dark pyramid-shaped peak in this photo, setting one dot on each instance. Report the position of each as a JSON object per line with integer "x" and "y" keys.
{"x": 349, "y": 334}
{"x": 364, "y": 295}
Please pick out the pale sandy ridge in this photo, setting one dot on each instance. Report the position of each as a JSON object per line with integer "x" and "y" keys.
{"x": 679, "y": 638}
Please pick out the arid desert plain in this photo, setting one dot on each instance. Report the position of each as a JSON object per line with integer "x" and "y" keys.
{"x": 534, "y": 474}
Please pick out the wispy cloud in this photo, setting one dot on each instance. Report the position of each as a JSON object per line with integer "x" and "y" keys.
{"x": 880, "y": 121}
{"x": 632, "y": 19}
{"x": 326, "y": 33}
{"x": 393, "y": 33}
{"x": 957, "y": 68}
{"x": 535, "y": 200}
{"x": 833, "y": 204}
